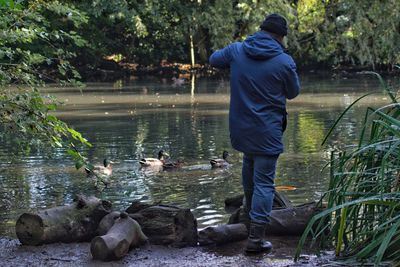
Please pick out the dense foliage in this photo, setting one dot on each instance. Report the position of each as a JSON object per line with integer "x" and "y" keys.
{"x": 330, "y": 32}
{"x": 35, "y": 37}
{"x": 362, "y": 216}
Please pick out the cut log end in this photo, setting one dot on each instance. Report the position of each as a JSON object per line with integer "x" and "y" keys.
{"x": 125, "y": 233}
{"x": 30, "y": 229}
{"x": 101, "y": 250}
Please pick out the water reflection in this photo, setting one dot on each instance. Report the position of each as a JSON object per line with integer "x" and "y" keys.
{"x": 128, "y": 122}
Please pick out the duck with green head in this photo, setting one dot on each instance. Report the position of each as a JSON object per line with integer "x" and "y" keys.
{"x": 153, "y": 162}
{"x": 104, "y": 170}
{"x": 100, "y": 172}
{"x": 220, "y": 163}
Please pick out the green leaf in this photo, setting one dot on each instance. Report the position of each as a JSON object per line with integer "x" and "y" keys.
{"x": 79, "y": 164}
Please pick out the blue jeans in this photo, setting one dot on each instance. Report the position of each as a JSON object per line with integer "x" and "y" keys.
{"x": 258, "y": 174}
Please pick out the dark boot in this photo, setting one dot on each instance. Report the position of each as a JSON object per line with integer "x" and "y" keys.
{"x": 255, "y": 242}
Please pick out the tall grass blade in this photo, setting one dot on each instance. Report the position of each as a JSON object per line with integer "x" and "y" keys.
{"x": 388, "y": 237}
{"x": 342, "y": 227}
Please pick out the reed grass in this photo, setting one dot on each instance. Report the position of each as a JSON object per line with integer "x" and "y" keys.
{"x": 361, "y": 220}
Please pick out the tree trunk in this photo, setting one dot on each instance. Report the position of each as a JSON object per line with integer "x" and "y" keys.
{"x": 284, "y": 221}
{"x": 166, "y": 225}
{"x": 222, "y": 234}
{"x": 77, "y": 222}
{"x": 123, "y": 235}
{"x": 192, "y": 59}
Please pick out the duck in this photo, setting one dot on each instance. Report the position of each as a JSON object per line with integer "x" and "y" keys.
{"x": 220, "y": 163}
{"x": 159, "y": 161}
{"x": 104, "y": 170}
{"x": 100, "y": 172}
{"x": 173, "y": 165}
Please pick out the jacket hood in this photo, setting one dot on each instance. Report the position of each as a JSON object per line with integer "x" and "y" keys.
{"x": 261, "y": 45}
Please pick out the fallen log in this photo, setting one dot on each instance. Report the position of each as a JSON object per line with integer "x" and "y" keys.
{"x": 291, "y": 221}
{"x": 107, "y": 222}
{"x": 284, "y": 221}
{"x": 235, "y": 201}
{"x": 122, "y": 236}
{"x": 77, "y": 222}
{"x": 137, "y": 206}
{"x": 280, "y": 201}
{"x": 222, "y": 234}
{"x": 166, "y": 225}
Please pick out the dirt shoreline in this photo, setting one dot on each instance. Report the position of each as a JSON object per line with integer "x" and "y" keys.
{"x": 110, "y": 71}
{"x": 77, "y": 254}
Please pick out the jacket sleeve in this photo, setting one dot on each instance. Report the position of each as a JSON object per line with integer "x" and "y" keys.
{"x": 222, "y": 58}
{"x": 292, "y": 83}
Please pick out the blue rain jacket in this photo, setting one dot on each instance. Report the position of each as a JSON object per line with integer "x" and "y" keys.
{"x": 262, "y": 77}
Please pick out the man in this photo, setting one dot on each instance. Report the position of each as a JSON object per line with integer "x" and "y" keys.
{"x": 263, "y": 76}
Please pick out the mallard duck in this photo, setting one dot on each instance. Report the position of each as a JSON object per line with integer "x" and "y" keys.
{"x": 220, "y": 163}
{"x": 159, "y": 161}
{"x": 103, "y": 170}
{"x": 100, "y": 172}
{"x": 173, "y": 165}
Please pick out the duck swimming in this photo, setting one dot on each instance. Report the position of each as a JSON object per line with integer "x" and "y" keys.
{"x": 173, "y": 165}
{"x": 100, "y": 172}
{"x": 104, "y": 170}
{"x": 159, "y": 161}
{"x": 220, "y": 163}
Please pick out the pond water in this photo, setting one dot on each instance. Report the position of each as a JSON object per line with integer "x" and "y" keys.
{"x": 126, "y": 121}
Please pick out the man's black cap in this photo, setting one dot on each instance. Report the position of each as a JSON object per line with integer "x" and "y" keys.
{"x": 275, "y": 23}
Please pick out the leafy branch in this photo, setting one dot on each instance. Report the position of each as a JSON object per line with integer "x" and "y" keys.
{"x": 31, "y": 35}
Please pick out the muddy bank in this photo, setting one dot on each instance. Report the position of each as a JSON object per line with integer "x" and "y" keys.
{"x": 77, "y": 254}
{"x": 110, "y": 71}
